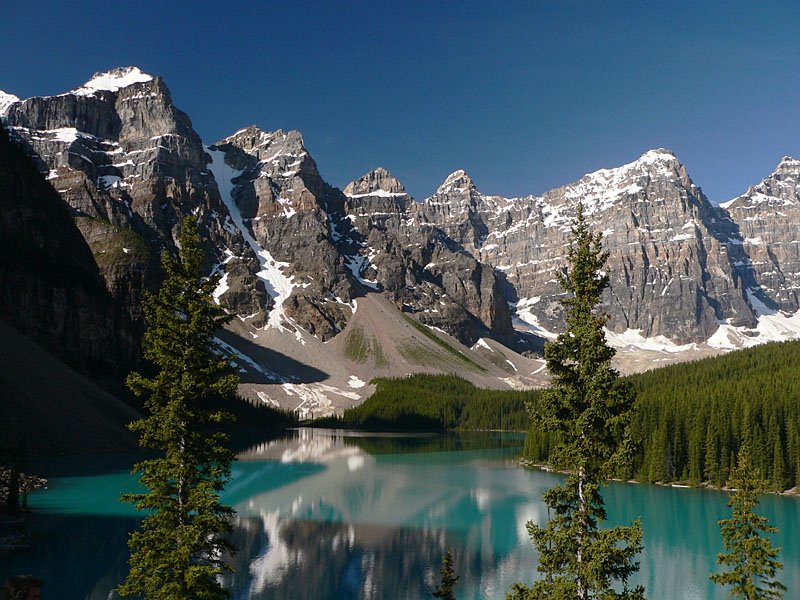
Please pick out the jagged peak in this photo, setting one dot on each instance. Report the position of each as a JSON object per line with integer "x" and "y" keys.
{"x": 657, "y": 155}
{"x": 787, "y": 163}
{"x": 378, "y": 182}
{"x": 780, "y": 188}
{"x": 457, "y": 181}
{"x": 6, "y": 100}
{"x": 266, "y": 145}
{"x": 113, "y": 80}
{"x": 658, "y": 162}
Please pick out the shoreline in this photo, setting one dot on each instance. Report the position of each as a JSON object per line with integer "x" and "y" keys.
{"x": 790, "y": 493}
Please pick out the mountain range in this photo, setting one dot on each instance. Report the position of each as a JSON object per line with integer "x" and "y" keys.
{"x": 333, "y": 287}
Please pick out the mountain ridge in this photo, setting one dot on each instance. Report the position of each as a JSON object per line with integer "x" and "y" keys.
{"x": 296, "y": 253}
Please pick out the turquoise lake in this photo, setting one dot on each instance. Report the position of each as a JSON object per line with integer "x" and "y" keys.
{"x": 334, "y": 515}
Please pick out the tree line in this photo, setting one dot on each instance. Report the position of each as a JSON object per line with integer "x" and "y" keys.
{"x": 694, "y": 418}
{"x": 437, "y": 403}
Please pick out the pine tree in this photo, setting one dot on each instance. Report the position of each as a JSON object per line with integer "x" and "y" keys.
{"x": 750, "y": 553}
{"x": 590, "y": 407}
{"x": 177, "y": 552}
{"x": 445, "y": 588}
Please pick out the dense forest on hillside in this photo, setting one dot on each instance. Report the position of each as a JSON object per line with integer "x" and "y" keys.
{"x": 692, "y": 418}
{"x": 438, "y": 402}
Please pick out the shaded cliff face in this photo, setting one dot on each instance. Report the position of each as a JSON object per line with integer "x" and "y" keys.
{"x": 130, "y": 167}
{"x": 50, "y": 286}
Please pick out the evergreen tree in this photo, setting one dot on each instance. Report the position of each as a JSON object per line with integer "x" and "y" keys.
{"x": 590, "y": 408}
{"x": 753, "y": 560}
{"x": 445, "y": 588}
{"x": 177, "y": 552}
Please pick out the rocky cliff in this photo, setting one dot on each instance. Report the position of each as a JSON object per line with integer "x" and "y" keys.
{"x": 669, "y": 265}
{"x": 767, "y": 218}
{"x": 424, "y": 266}
{"x": 130, "y": 167}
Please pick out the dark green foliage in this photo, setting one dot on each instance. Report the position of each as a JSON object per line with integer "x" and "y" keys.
{"x": 693, "y": 417}
{"x": 445, "y": 588}
{"x": 438, "y": 402}
{"x": 176, "y": 555}
{"x": 750, "y": 554}
{"x": 589, "y": 407}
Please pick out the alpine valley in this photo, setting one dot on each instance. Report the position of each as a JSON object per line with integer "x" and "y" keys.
{"x": 332, "y": 288}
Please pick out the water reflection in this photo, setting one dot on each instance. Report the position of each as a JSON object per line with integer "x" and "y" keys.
{"x": 335, "y": 515}
{"x": 377, "y": 520}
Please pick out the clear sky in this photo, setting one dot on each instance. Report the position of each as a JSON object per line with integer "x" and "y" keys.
{"x": 524, "y": 96}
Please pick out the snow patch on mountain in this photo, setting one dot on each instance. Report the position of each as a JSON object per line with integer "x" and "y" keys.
{"x": 6, "y": 100}
{"x": 315, "y": 398}
{"x": 634, "y": 338}
{"x": 278, "y": 285}
{"x": 524, "y": 319}
{"x": 112, "y": 81}
{"x": 379, "y": 194}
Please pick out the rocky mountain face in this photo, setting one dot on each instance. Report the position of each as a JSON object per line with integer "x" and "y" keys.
{"x": 426, "y": 271}
{"x": 282, "y": 205}
{"x": 767, "y": 218}
{"x": 50, "y": 286}
{"x": 322, "y": 248}
{"x": 130, "y": 167}
{"x": 296, "y": 254}
{"x": 675, "y": 263}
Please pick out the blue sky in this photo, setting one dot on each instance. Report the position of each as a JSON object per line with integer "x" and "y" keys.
{"x": 524, "y": 96}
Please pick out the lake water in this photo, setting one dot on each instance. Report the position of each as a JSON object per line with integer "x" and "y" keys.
{"x": 335, "y": 515}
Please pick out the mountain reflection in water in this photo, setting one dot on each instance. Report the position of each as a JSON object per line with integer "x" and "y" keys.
{"x": 377, "y": 520}
{"x": 339, "y": 515}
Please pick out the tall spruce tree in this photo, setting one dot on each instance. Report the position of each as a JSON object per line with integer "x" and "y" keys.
{"x": 750, "y": 553}
{"x": 589, "y": 408}
{"x": 177, "y": 552}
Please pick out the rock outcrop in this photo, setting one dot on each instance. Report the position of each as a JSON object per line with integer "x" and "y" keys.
{"x": 424, "y": 266}
{"x": 270, "y": 179}
{"x": 670, "y": 269}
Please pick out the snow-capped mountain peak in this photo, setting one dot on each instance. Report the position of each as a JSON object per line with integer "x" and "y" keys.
{"x": 657, "y": 156}
{"x": 457, "y": 181}
{"x": 781, "y": 188}
{"x": 6, "y": 100}
{"x": 378, "y": 182}
{"x": 267, "y": 145}
{"x": 788, "y": 164}
{"x": 113, "y": 80}
{"x": 602, "y": 189}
